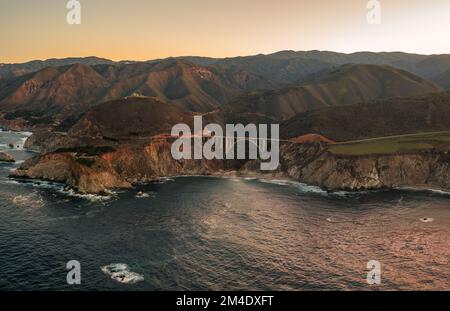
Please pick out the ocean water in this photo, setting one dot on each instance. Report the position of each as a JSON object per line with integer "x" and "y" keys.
{"x": 201, "y": 233}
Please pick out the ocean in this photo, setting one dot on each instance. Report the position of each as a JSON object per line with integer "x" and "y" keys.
{"x": 205, "y": 233}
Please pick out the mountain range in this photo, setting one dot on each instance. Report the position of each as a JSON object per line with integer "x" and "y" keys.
{"x": 283, "y": 66}
{"x": 55, "y": 93}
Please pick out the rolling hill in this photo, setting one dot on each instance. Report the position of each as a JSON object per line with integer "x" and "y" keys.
{"x": 129, "y": 118}
{"x": 394, "y": 116}
{"x": 8, "y": 71}
{"x": 54, "y": 95}
{"x": 345, "y": 85}
{"x": 443, "y": 80}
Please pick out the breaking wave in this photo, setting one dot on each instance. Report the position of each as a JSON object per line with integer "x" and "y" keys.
{"x": 163, "y": 180}
{"x": 428, "y": 190}
{"x": 426, "y": 220}
{"x": 142, "y": 195}
{"x": 32, "y": 200}
{"x": 60, "y": 189}
{"x": 121, "y": 273}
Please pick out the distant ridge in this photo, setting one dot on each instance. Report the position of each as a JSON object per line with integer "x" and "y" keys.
{"x": 16, "y": 70}
{"x": 55, "y": 93}
{"x": 345, "y": 85}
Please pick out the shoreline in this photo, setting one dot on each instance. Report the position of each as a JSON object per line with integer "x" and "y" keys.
{"x": 280, "y": 181}
{"x": 282, "y": 176}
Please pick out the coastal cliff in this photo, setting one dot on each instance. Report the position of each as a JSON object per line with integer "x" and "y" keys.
{"x": 102, "y": 169}
{"x": 127, "y": 142}
{"x": 310, "y": 163}
{"x": 430, "y": 169}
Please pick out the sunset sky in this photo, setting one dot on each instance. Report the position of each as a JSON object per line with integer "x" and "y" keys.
{"x": 149, "y": 29}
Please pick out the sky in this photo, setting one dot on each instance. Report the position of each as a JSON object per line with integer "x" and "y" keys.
{"x": 151, "y": 29}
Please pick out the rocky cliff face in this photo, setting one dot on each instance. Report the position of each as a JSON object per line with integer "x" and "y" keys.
{"x": 4, "y": 157}
{"x": 317, "y": 166}
{"x": 127, "y": 165}
{"x": 94, "y": 170}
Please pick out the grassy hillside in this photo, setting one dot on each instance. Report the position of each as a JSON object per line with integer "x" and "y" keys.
{"x": 395, "y": 144}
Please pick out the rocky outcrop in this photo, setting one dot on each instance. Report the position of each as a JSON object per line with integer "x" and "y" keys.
{"x": 313, "y": 164}
{"x": 92, "y": 170}
{"x": 430, "y": 169}
{"x": 4, "y": 157}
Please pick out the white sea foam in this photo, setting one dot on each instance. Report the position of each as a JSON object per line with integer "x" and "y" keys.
{"x": 436, "y": 191}
{"x": 303, "y": 188}
{"x": 31, "y": 200}
{"x": 275, "y": 182}
{"x": 18, "y": 145}
{"x": 60, "y": 188}
{"x": 439, "y": 191}
{"x": 141, "y": 195}
{"x": 163, "y": 180}
{"x": 121, "y": 273}
{"x": 89, "y": 197}
{"x": 310, "y": 189}
{"x": 426, "y": 220}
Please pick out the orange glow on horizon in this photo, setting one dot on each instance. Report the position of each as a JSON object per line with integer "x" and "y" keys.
{"x": 144, "y": 30}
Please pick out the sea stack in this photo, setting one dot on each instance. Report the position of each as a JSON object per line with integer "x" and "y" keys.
{"x": 4, "y": 157}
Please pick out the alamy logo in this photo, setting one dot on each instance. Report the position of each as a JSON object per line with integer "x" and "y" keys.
{"x": 74, "y": 274}
{"x": 218, "y": 146}
{"x": 74, "y": 15}
{"x": 374, "y": 14}
{"x": 374, "y": 275}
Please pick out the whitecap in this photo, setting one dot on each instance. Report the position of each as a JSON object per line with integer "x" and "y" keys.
{"x": 89, "y": 197}
{"x": 430, "y": 190}
{"x": 58, "y": 187}
{"x": 275, "y": 182}
{"x": 426, "y": 220}
{"x": 121, "y": 273}
{"x": 439, "y": 191}
{"x": 304, "y": 188}
{"x": 141, "y": 195}
{"x": 31, "y": 200}
{"x": 163, "y": 180}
